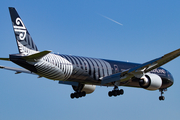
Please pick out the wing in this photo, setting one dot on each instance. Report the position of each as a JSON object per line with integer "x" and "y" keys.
{"x": 6, "y": 59}
{"x": 17, "y": 70}
{"x": 141, "y": 69}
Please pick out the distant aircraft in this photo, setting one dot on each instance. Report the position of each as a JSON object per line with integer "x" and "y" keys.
{"x": 84, "y": 73}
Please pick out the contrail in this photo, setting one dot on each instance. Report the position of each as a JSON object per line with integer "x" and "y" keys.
{"x": 111, "y": 19}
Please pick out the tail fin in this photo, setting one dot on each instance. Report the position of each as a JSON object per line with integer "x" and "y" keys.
{"x": 24, "y": 41}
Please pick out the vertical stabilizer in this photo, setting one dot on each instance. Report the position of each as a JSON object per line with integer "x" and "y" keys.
{"x": 24, "y": 41}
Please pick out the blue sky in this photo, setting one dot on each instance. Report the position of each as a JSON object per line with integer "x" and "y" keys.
{"x": 149, "y": 30}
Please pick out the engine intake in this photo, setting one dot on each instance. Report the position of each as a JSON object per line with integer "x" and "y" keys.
{"x": 150, "y": 81}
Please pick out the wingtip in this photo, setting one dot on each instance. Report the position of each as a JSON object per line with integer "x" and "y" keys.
{"x": 1, "y": 66}
{"x": 6, "y": 59}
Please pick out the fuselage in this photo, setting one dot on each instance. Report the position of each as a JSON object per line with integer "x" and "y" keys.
{"x": 85, "y": 70}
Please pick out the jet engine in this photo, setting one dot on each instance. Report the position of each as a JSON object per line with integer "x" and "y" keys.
{"x": 150, "y": 81}
{"x": 86, "y": 88}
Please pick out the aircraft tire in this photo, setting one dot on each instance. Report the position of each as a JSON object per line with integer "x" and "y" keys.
{"x": 72, "y": 95}
{"x": 118, "y": 92}
{"x": 115, "y": 92}
{"x": 110, "y": 93}
{"x": 78, "y": 95}
{"x": 121, "y": 91}
{"x": 161, "y": 98}
{"x": 83, "y": 94}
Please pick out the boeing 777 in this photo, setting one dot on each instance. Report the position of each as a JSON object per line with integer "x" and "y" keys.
{"x": 84, "y": 73}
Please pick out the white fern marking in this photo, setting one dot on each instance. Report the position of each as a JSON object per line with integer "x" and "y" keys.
{"x": 24, "y": 50}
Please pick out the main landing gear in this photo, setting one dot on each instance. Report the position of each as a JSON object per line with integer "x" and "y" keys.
{"x": 116, "y": 92}
{"x": 78, "y": 94}
{"x": 78, "y": 91}
{"x": 162, "y": 92}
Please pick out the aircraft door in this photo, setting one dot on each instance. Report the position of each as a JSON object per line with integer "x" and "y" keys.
{"x": 116, "y": 69}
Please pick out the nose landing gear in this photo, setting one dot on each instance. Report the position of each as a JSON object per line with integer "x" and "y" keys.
{"x": 162, "y": 92}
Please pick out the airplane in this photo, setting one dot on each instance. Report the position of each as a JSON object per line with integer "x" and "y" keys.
{"x": 85, "y": 73}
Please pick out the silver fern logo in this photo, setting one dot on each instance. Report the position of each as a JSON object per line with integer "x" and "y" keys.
{"x": 20, "y": 29}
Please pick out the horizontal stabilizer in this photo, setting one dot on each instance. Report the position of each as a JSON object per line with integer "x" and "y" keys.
{"x": 6, "y": 59}
{"x": 36, "y": 56}
{"x": 17, "y": 70}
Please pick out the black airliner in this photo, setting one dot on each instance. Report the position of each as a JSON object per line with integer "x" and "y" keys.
{"x": 84, "y": 73}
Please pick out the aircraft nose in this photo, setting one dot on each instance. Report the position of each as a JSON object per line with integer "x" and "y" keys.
{"x": 170, "y": 78}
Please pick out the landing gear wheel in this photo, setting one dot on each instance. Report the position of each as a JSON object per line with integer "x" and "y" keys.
{"x": 161, "y": 98}
{"x": 110, "y": 93}
{"x": 78, "y": 94}
{"x": 78, "y": 91}
{"x": 118, "y": 92}
{"x": 121, "y": 91}
{"x": 115, "y": 92}
{"x": 72, "y": 96}
{"x": 83, "y": 94}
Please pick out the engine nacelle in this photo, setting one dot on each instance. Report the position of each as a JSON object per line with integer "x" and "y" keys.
{"x": 87, "y": 88}
{"x": 150, "y": 81}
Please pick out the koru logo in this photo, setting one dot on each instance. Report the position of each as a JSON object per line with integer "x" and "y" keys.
{"x": 20, "y": 28}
